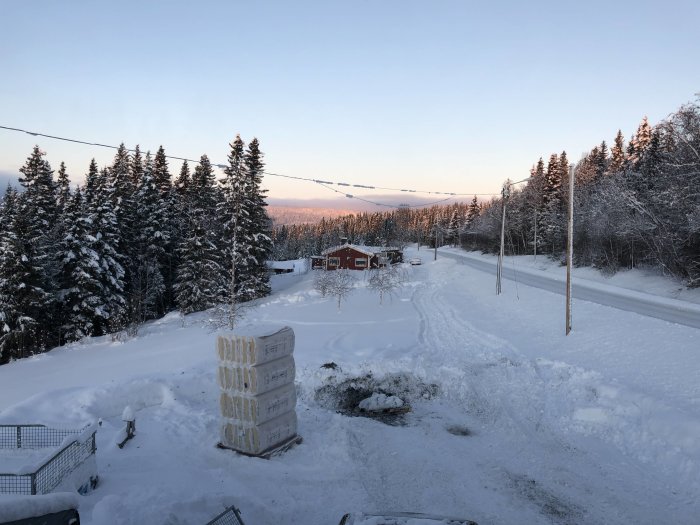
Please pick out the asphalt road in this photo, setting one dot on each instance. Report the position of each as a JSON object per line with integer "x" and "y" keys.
{"x": 672, "y": 310}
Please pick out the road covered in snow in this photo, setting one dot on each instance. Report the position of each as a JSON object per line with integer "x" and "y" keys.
{"x": 554, "y": 280}
{"x": 511, "y": 421}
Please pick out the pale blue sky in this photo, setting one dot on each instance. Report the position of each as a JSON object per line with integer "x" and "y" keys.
{"x": 435, "y": 95}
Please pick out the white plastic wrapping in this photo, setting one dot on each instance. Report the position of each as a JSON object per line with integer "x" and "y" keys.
{"x": 258, "y": 409}
{"x": 254, "y": 439}
{"x": 255, "y": 380}
{"x": 255, "y": 347}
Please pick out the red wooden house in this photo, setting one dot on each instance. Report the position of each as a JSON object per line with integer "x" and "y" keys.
{"x": 354, "y": 257}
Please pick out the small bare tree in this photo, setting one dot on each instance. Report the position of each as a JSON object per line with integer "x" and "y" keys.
{"x": 386, "y": 280}
{"x": 342, "y": 282}
{"x": 322, "y": 281}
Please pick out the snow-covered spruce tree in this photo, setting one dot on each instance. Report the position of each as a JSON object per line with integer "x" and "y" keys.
{"x": 179, "y": 224}
{"x": 638, "y": 144}
{"x": 617, "y": 154}
{"x": 553, "y": 219}
{"x": 234, "y": 213}
{"x": 109, "y": 313}
{"x": 16, "y": 330}
{"x": 80, "y": 293}
{"x": 601, "y": 160}
{"x": 151, "y": 228}
{"x": 257, "y": 280}
{"x": 21, "y": 297}
{"x": 35, "y": 227}
{"x": 121, "y": 189}
{"x": 163, "y": 181}
{"x": 63, "y": 199}
{"x": 63, "y": 192}
{"x": 91, "y": 183}
{"x": 201, "y": 279}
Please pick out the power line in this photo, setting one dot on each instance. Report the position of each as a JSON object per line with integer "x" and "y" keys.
{"x": 351, "y": 196}
{"x": 324, "y": 183}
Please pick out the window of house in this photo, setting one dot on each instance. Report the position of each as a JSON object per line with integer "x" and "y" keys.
{"x": 361, "y": 262}
{"x": 334, "y": 261}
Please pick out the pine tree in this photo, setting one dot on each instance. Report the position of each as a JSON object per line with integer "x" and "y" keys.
{"x": 81, "y": 291}
{"x": 180, "y": 222}
{"x": 168, "y": 200}
{"x": 201, "y": 277}
{"x": 121, "y": 189}
{"x": 236, "y": 225}
{"x": 474, "y": 210}
{"x": 91, "y": 182}
{"x": 601, "y": 160}
{"x": 161, "y": 175}
{"x": 553, "y": 228}
{"x": 639, "y": 143}
{"x": 36, "y": 228}
{"x": 258, "y": 284}
{"x": 135, "y": 166}
{"x": 652, "y": 159}
{"x": 63, "y": 188}
{"x": 13, "y": 331}
{"x": 23, "y": 298}
{"x": 110, "y": 310}
{"x": 148, "y": 287}
{"x": 552, "y": 183}
{"x": 618, "y": 158}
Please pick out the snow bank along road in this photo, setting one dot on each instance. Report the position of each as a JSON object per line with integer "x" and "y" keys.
{"x": 672, "y": 310}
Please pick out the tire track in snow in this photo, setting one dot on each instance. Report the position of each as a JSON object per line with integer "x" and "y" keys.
{"x": 534, "y": 405}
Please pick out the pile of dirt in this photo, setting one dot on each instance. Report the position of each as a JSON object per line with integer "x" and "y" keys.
{"x": 344, "y": 393}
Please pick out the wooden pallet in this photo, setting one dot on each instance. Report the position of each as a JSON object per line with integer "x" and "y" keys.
{"x": 270, "y": 452}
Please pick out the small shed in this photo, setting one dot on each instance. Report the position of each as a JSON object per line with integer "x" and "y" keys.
{"x": 357, "y": 257}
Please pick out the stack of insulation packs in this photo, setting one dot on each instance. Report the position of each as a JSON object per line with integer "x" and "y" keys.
{"x": 258, "y": 398}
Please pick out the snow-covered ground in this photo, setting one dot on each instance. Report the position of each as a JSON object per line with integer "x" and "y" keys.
{"x": 512, "y": 421}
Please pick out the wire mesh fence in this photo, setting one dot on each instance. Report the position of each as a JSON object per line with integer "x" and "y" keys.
{"x": 50, "y": 474}
{"x": 33, "y": 436}
{"x": 231, "y": 516}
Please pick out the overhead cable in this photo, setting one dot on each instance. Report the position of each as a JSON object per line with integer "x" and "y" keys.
{"x": 281, "y": 175}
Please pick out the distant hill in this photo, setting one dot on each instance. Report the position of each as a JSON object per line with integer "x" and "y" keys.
{"x": 301, "y": 215}
{"x": 306, "y": 211}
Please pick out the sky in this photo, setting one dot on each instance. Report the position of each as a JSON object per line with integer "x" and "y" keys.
{"x": 450, "y": 96}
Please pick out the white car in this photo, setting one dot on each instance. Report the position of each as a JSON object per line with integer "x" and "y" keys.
{"x": 415, "y": 261}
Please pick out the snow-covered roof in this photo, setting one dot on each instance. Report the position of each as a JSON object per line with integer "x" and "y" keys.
{"x": 367, "y": 250}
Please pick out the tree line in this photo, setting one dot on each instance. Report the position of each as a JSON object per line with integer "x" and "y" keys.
{"x": 636, "y": 203}
{"x": 129, "y": 245}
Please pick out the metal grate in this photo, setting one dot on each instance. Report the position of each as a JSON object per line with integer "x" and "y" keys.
{"x": 49, "y": 475}
{"x": 231, "y": 516}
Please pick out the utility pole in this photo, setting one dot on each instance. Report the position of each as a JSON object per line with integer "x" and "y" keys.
{"x": 505, "y": 193}
{"x": 436, "y": 241}
{"x": 569, "y": 248}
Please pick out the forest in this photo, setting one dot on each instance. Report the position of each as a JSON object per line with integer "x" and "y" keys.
{"x": 128, "y": 245}
{"x": 636, "y": 203}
